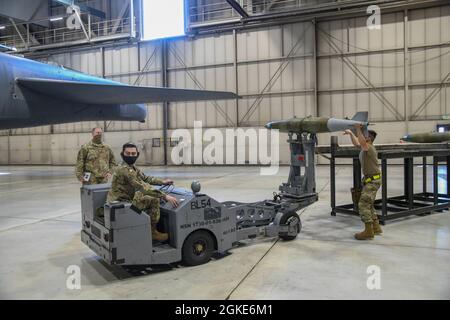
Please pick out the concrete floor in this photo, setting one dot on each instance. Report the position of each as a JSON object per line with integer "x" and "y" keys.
{"x": 40, "y": 239}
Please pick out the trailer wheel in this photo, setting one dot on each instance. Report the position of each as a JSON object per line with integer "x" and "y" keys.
{"x": 293, "y": 221}
{"x": 198, "y": 248}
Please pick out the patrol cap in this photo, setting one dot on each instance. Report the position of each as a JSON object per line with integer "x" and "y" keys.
{"x": 372, "y": 134}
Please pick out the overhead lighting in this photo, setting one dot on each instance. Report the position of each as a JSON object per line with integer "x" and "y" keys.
{"x": 56, "y": 19}
{"x": 163, "y": 19}
{"x": 2, "y": 27}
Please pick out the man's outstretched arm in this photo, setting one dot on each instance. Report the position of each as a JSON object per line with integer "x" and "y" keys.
{"x": 361, "y": 138}
{"x": 353, "y": 138}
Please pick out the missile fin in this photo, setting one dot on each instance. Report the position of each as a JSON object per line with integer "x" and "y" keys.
{"x": 362, "y": 116}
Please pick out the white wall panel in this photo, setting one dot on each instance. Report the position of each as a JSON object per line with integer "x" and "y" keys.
{"x": 183, "y": 115}
{"x": 429, "y": 26}
{"x": 353, "y": 57}
{"x": 4, "y": 149}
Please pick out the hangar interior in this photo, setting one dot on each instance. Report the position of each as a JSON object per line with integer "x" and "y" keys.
{"x": 285, "y": 59}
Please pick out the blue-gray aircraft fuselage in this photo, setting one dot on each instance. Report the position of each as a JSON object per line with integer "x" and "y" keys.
{"x": 34, "y": 94}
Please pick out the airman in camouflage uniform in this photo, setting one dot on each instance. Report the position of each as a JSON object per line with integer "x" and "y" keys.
{"x": 371, "y": 182}
{"x": 130, "y": 184}
{"x": 95, "y": 160}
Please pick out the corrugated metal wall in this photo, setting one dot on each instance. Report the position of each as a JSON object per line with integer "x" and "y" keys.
{"x": 287, "y": 84}
{"x": 348, "y": 46}
{"x": 274, "y": 70}
{"x": 429, "y": 27}
{"x": 206, "y": 63}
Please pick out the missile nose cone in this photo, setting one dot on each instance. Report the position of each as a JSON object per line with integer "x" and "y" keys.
{"x": 276, "y": 124}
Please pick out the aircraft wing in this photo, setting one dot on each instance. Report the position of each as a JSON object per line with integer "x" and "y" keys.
{"x": 111, "y": 93}
{"x": 6, "y": 48}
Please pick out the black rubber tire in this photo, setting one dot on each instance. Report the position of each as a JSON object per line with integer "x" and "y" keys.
{"x": 284, "y": 220}
{"x": 191, "y": 256}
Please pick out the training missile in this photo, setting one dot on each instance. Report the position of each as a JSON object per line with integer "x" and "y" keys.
{"x": 427, "y": 137}
{"x": 319, "y": 124}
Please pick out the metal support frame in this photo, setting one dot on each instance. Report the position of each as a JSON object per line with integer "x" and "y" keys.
{"x": 165, "y": 83}
{"x": 82, "y": 26}
{"x": 102, "y": 55}
{"x": 32, "y": 46}
{"x": 407, "y": 204}
{"x": 122, "y": 12}
{"x": 270, "y": 5}
{"x": 9, "y": 146}
{"x": 315, "y": 68}
{"x": 305, "y": 56}
{"x": 25, "y": 43}
{"x": 302, "y": 179}
{"x": 236, "y": 74}
{"x": 406, "y": 103}
{"x": 26, "y": 30}
{"x": 92, "y": 11}
{"x": 237, "y": 7}
{"x": 141, "y": 73}
{"x": 337, "y": 10}
{"x": 132, "y": 20}
{"x": 408, "y": 181}
{"x": 295, "y": 194}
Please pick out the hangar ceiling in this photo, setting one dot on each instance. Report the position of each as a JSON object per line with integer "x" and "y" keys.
{"x": 24, "y": 10}
{"x": 30, "y": 25}
{"x": 36, "y": 25}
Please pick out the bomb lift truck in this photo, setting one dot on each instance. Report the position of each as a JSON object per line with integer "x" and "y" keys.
{"x": 200, "y": 225}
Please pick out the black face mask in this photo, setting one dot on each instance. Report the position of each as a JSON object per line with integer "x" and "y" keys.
{"x": 97, "y": 139}
{"x": 130, "y": 160}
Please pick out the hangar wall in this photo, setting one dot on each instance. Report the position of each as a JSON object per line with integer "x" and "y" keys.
{"x": 331, "y": 68}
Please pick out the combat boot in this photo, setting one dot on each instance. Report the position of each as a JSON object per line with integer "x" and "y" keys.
{"x": 158, "y": 236}
{"x": 367, "y": 234}
{"x": 376, "y": 227}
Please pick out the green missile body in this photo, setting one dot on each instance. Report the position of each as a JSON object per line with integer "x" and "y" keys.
{"x": 319, "y": 124}
{"x": 427, "y": 137}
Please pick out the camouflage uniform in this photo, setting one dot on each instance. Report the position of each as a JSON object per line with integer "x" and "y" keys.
{"x": 130, "y": 184}
{"x": 369, "y": 164}
{"x": 98, "y": 159}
